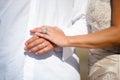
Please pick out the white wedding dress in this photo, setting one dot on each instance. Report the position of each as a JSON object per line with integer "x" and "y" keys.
{"x": 104, "y": 64}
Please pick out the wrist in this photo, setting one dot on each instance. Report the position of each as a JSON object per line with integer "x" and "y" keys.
{"x": 67, "y": 42}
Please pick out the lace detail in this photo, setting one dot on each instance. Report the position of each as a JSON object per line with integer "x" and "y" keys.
{"x": 99, "y": 14}
{"x": 104, "y": 63}
{"x": 99, "y": 17}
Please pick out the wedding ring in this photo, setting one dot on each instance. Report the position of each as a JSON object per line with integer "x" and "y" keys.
{"x": 43, "y": 45}
{"x": 46, "y": 31}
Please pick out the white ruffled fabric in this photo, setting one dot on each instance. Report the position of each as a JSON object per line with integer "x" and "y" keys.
{"x": 17, "y": 17}
{"x": 104, "y": 64}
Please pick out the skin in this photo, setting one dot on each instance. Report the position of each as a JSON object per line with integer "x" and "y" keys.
{"x": 33, "y": 45}
{"x": 105, "y": 38}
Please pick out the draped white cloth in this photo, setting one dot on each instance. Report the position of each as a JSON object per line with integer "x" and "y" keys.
{"x": 17, "y": 17}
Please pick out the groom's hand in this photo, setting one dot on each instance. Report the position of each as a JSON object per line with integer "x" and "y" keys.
{"x": 39, "y": 45}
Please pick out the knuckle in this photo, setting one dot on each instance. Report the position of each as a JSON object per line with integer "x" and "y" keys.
{"x": 39, "y": 47}
{"x": 28, "y": 46}
{"x": 31, "y": 44}
{"x": 33, "y": 49}
{"x": 27, "y": 42}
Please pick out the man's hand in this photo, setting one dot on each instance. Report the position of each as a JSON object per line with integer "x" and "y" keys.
{"x": 38, "y": 45}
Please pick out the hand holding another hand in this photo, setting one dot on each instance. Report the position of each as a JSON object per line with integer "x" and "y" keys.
{"x": 52, "y": 34}
{"x": 39, "y": 45}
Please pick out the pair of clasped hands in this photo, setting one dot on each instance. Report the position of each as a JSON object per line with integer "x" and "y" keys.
{"x": 45, "y": 39}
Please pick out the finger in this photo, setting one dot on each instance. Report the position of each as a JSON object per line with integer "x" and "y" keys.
{"x": 46, "y": 36}
{"x": 31, "y": 39}
{"x": 36, "y": 48}
{"x": 47, "y": 29}
{"x": 38, "y": 29}
{"x": 44, "y": 29}
{"x": 43, "y": 51}
{"x": 35, "y": 30}
{"x": 35, "y": 43}
{"x": 49, "y": 46}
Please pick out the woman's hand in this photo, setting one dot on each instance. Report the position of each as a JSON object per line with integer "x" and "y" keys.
{"x": 53, "y": 34}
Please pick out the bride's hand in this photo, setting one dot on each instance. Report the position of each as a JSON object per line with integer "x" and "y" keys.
{"x": 53, "y": 34}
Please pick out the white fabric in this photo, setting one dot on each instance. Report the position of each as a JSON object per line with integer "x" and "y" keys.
{"x": 17, "y": 17}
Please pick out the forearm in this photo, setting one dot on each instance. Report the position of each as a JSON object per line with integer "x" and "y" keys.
{"x": 105, "y": 38}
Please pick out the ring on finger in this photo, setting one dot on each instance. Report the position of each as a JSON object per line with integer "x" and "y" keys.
{"x": 46, "y": 30}
{"x": 43, "y": 45}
